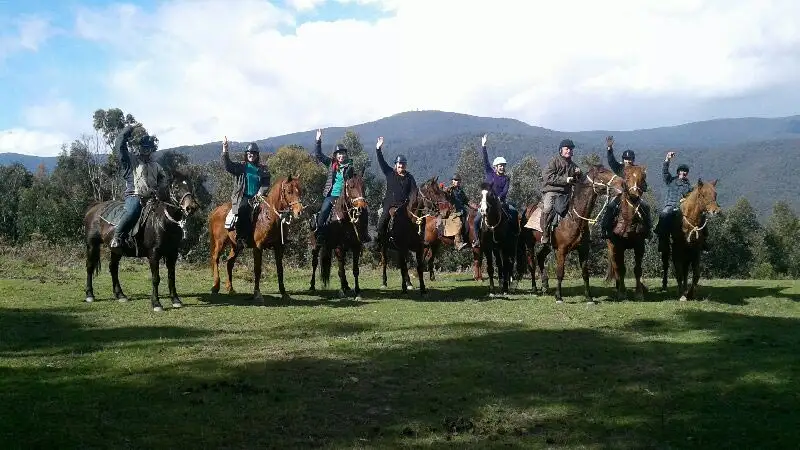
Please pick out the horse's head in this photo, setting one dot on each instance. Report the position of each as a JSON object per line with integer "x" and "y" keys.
{"x": 487, "y": 198}
{"x": 354, "y": 190}
{"x": 181, "y": 193}
{"x": 602, "y": 178}
{"x": 706, "y": 196}
{"x": 291, "y": 193}
{"x": 433, "y": 195}
{"x": 635, "y": 179}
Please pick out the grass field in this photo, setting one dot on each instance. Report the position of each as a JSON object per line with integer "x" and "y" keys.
{"x": 453, "y": 370}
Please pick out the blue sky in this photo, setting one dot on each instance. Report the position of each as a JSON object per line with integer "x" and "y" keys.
{"x": 193, "y": 70}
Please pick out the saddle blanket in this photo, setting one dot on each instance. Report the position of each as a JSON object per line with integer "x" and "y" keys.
{"x": 114, "y": 211}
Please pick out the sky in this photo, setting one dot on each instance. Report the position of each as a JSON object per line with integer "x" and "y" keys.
{"x": 193, "y": 71}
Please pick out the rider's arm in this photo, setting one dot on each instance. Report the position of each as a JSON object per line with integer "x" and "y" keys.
{"x": 667, "y": 176}
{"x": 487, "y": 168}
{"x": 232, "y": 167}
{"x": 121, "y": 146}
{"x": 552, "y": 177}
{"x": 615, "y": 166}
{"x": 385, "y": 168}
{"x": 319, "y": 155}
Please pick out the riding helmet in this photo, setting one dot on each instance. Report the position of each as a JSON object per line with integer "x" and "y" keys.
{"x": 683, "y": 168}
{"x": 566, "y": 143}
{"x": 401, "y": 159}
{"x": 252, "y": 148}
{"x": 628, "y": 154}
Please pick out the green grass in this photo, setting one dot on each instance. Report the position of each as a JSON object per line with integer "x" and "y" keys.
{"x": 453, "y": 370}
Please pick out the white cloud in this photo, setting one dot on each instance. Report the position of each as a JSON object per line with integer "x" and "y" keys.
{"x": 31, "y": 142}
{"x": 194, "y": 71}
{"x": 28, "y": 33}
{"x": 304, "y": 5}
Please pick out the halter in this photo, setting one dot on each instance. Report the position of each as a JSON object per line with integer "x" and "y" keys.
{"x": 426, "y": 212}
{"x": 353, "y": 212}
{"x": 285, "y": 215}
{"x": 608, "y": 197}
{"x": 179, "y": 205}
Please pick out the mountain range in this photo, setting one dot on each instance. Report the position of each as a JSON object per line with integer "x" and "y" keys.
{"x": 752, "y": 157}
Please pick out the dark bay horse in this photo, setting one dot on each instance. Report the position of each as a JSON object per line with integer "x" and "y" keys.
{"x": 498, "y": 239}
{"x": 342, "y": 234}
{"x": 687, "y": 237}
{"x": 405, "y": 235}
{"x": 274, "y": 215}
{"x": 159, "y": 236}
{"x": 572, "y": 231}
{"x": 629, "y": 232}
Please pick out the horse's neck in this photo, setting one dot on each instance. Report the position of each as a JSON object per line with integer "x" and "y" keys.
{"x": 583, "y": 198}
{"x": 340, "y": 207}
{"x": 692, "y": 210}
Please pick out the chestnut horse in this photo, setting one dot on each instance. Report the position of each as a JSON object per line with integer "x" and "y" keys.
{"x": 572, "y": 232}
{"x": 687, "y": 236}
{"x": 159, "y": 236}
{"x": 274, "y": 214}
{"x": 629, "y": 232}
{"x": 342, "y": 234}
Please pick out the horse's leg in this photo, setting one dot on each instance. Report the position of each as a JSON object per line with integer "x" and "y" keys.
{"x": 541, "y": 258}
{"x": 171, "y": 260}
{"x": 383, "y": 265}
{"x": 489, "y": 267}
{"x": 113, "y": 267}
{"x": 477, "y": 261}
{"x": 216, "y": 252}
{"x": 278, "y": 252}
{"x": 678, "y": 257}
{"x": 665, "y": 257}
{"x": 356, "y": 272}
{"x": 402, "y": 262}
{"x": 638, "y": 255}
{"x": 344, "y": 287}
{"x": 421, "y": 269}
{"x": 154, "y": 259}
{"x": 258, "y": 258}
{"x": 530, "y": 256}
{"x": 314, "y": 264}
{"x": 92, "y": 264}
{"x": 430, "y": 255}
{"x": 561, "y": 258}
{"x": 618, "y": 269}
{"x": 229, "y": 268}
{"x": 695, "y": 273}
{"x": 583, "y": 259}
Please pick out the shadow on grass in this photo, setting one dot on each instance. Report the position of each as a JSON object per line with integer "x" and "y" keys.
{"x": 480, "y": 384}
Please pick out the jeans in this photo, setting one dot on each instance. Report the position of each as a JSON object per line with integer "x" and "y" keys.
{"x": 244, "y": 229}
{"x": 325, "y": 211}
{"x": 133, "y": 208}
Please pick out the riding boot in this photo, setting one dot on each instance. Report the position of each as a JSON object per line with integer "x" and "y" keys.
{"x": 383, "y": 223}
{"x": 545, "y": 226}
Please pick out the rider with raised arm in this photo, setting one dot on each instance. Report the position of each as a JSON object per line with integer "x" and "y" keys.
{"x": 500, "y": 182}
{"x": 399, "y": 186}
{"x": 252, "y": 181}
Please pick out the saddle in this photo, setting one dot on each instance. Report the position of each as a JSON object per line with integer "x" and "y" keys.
{"x": 114, "y": 211}
{"x": 231, "y": 218}
{"x": 559, "y": 212}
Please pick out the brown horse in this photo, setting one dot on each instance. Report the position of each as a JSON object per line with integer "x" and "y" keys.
{"x": 159, "y": 236}
{"x": 342, "y": 234}
{"x": 435, "y": 240}
{"x": 274, "y": 214}
{"x": 572, "y": 232}
{"x": 629, "y": 232}
{"x": 687, "y": 236}
{"x": 498, "y": 239}
{"x": 406, "y": 235}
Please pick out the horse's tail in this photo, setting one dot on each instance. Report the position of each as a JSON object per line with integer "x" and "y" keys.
{"x": 326, "y": 257}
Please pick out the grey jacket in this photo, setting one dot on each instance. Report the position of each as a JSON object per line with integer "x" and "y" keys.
{"x": 676, "y": 188}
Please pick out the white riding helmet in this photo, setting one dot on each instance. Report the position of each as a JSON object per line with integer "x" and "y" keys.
{"x": 499, "y": 160}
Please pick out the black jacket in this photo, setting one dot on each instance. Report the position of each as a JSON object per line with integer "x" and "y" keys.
{"x": 398, "y": 188}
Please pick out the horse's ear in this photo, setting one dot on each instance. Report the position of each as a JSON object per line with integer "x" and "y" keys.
{"x": 699, "y": 182}
{"x": 436, "y": 179}
{"x": 361, "y": 172}
{"x": 714, "y": 182}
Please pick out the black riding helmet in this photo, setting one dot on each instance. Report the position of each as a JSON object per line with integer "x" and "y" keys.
{"x": 252, "y": 148}
{"x": 566, "y": 143}
{"x": 683, "y": 168}
{"x": 628, "y": 154}
{"x": 339, "y": 149}
{"x": 401, "y": 159}
{"x": 147, "y": 144}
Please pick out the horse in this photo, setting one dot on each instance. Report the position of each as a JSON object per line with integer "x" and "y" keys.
{"x": 572, "y": 231}
{"x": 434, "y": 241}
{"x": 406, "y": 234}
{"x": 628, "y": 233}
{"x": 157, "y": 234}
{"x": 498, "y": 238}
{"x": 687, "y": 238}
{"x": 341, "y": 235}
{"x": 274, "y": 214}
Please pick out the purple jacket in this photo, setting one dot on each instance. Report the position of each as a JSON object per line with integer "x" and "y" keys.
{"x": 500, "y": 183}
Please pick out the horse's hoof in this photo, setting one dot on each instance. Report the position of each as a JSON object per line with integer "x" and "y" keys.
{"x": 284, "y": 297}
{"x": 357, "y": 298}
{"x": 558, "y": 302}
{"x": 214, "y": 290}
{"x": 384, "y": 286}
{"x": 683, "y": 298}
{"x": 312, "y": 289}
{"x": 89, "y": 299}
{"x": 158, "y": 309}
{"x": 231, "y": 291}
{"x": 122, "y": 299}
{"x": 177, "y": 303}
{"x": 591, "y": 302}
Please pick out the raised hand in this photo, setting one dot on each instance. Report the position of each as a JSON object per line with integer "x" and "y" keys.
{"x": 483, "y": 141}
{"x": 610, "y": 141}
{"x": 380, "y": 143}
{"x": 319, "y": 135}
{"x": 225, "y": 145}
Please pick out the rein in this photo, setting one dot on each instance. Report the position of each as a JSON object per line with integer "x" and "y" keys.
{"x": 285, "y": 214}
{"x": 605, "y": 204}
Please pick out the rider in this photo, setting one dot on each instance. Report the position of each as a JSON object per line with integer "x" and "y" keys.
{"x": 678, "y": 187}
{"x": 143, "y": 178}
{"x": 252, "y": 180}
{"x": 399, "y": 186}
{"x": 607, "y": 221}
{"x": 558, "y": 178}
{"x": 460, "y": 201}
{"x": 497, "y": 178}
{"x": 340, "y": 169}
